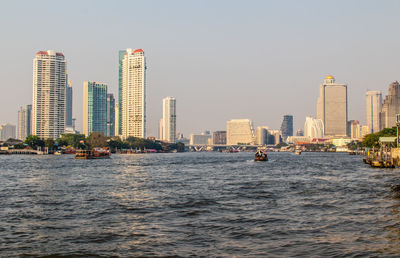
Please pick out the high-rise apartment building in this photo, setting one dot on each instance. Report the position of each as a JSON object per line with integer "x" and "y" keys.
{"x": 390, "y": 107}
{"x": 121, "y": 55}
{"x": 94, "y": 107}
{"x": 133, "y": 94}
{"x": 116, "y": 121}
{"x": 287, "y": 127}
{"x": 239, "y": 131}
{"x": 373, "y": 108}
{"x": 24, "y": 122}
{"x": 110, "y": 114}
{"x": 68, "y": 119}
{"x": 219, "y": 137}
{"x": 313, "y": 128}
{"x": 169, "y": 119}
{"x": 49, "y": 94}
{"x": 332, "y": 107}
{"x": 7, "y": 131}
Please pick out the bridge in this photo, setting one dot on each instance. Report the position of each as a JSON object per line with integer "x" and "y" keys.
{"x": 206, "y": 147}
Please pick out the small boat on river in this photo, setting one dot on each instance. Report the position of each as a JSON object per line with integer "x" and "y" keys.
{"x": 261, "y": 155}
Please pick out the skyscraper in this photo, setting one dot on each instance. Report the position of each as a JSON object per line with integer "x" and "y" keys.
{"x": 110, "y": 114}
{"x": 373, "y": 108}
{"x": 390, "y": 107}
{"x": 332, "y": 107}
{"x": 116, "y": 121}
{"x": 49, "y": 100}
{"x": 313, "y": 128}
{"x": 24, "y": 122}
{"x": 287, "y": 127}
{"x": 68, "y": 120}
{"x": 133, "y": 94}
{"x": 121, "y": 55}
{"x": 169, "y": 119}
{"x": 239, "y": 131}
{"x": 94, "y": 107}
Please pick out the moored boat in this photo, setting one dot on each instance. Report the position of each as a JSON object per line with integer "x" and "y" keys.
{"x": 96, "y": 153}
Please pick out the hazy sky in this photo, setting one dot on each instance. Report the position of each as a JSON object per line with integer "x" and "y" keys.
{"x": 220, "y": 59}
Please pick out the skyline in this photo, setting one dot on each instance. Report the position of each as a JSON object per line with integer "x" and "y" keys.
{"x": 284, "y": 57}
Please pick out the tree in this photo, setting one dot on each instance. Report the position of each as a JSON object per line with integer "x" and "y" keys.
{"x": 49, "y": 143}
{"x": 71, "y": 139}
{"x": 97, "y": 139}
{"x": 34, "y": 141}
{"x": 372, "y": 140}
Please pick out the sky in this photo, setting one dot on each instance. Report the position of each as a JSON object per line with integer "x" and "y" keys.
{"x": 221, "y": 60}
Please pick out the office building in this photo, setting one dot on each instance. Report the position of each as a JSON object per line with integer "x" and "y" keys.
{"x": 121, "y": 55}
{"x": 169, "y": 119}
{"x": 274, "y": 137}
{"x": 373, "y": 108}
{"x": 332, "y": 107}
{"x": 313, "y": 128}
{"x": 390, "y": 107}
{"x": 24, "y": 122}
{"x": 110, "y": 114}
{"x": 354, "y": 129}
{"x": 219, "y": 137}
{"x": 94, "y": 107}
{"x": 239, "y": 132}
{"x": 133, "y": 94}
{"x": 49, "y": 94}
{"x": 7, "y": 131}
{"x": 287, "y": 127}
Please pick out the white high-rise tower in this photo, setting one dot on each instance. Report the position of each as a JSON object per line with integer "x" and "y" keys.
{"x": 133, "y": 94}
{"x": 169, "y": 119}
{"x": 49, "y": 99}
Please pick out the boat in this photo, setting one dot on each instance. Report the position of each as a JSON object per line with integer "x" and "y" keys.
{"x": 261, "y": 156}
{"x": 298, "y": 152}
{"x": 57, "y": 153}
{"x": 95, "y": 153}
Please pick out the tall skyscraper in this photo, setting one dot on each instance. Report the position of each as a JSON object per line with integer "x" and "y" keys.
{"x": 24, "y": 122}
{"x": 239, "y": 131}
{"x": 121, "y": 55}
{"x": 390, "y": 107}
{"x": 332, "y": 107}
{"x": 313, "y": 128}
{"x": 287, "y": 127}
{"x": 94, "y": 107}
{"x": 169, "y": 119}
{"x": 68, "y": 120}
{"x": 133, "y": 94}
{"x": 110, "y": 115}
{"x": 49, "y": 100}
{"x": 373, "y": 108}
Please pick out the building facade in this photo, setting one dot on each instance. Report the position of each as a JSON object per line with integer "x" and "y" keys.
{"x": 390, "y": 107}
{"x": 219, "y": 137}
{"x": 313, "y": 128}
{"x": 49, "y": 94}
{"x": 110, "y": 114}
{"x": 373, "y": 108}
{"x": 332, "y": 107}
{"x": 200, "y": 139}
{"x": 7, "y": 131}
{"x": 262, "y": 135}
{"x": 354, "y": 129}
{"x": 133, "y": 119}
{"x": 169, "y": 120}
{"x": 121, "y": 55}
{"x": 239, "y": 131}
{"x": 94, "y": 107}
{"x": 287, "y": 127}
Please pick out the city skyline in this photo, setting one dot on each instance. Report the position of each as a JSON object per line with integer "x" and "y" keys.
{"x": 178, "y": 68}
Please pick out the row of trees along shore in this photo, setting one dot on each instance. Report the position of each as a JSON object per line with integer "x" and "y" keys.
{"x": 97, "y": 139}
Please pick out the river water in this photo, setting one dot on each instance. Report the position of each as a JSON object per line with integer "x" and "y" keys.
{"x": 201, "y": 204}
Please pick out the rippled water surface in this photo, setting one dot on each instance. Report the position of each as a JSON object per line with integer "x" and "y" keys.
{"x": 202, "y": 204}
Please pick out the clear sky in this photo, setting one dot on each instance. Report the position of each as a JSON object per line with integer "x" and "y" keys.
{"x": 220, "y": 59}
